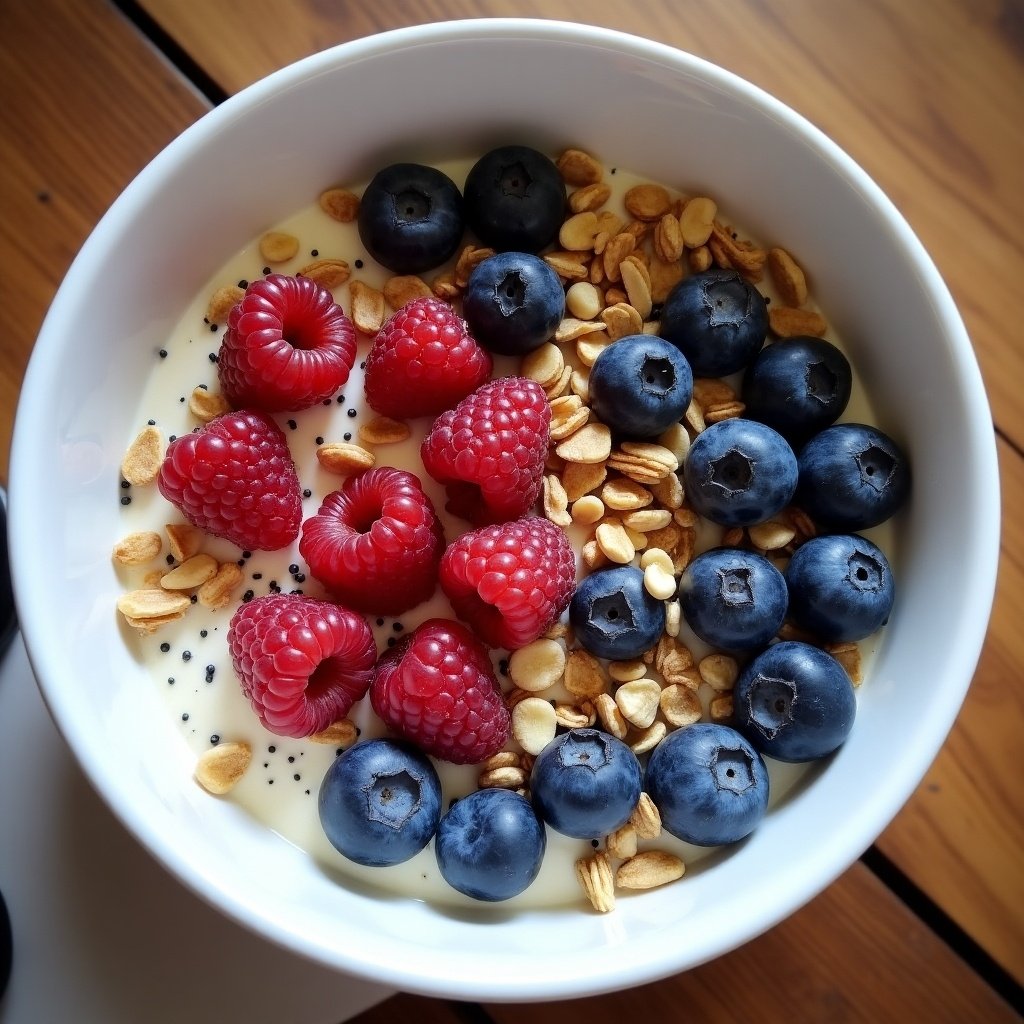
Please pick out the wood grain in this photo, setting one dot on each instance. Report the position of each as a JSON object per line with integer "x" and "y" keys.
{"x": 920, "y": 92}
{"x": 854, "y": 954}
{"x": 87, "y": 104}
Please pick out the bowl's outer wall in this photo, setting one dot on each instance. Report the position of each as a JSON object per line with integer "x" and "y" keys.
{"x": 335, "y": 118}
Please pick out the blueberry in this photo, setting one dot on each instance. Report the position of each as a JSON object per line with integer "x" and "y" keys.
{"x": 640, "y": 386}
{"x": 798, "y": 386}
{"x": 717, "y": 320}
{"x": 411, "y": 218}
{"x": 380, "y": 802}
{"x": 614, "y": 616}
{"x": 733, "y": 599}
{"x": 852, "y": 477}
{"x": 840, "y": 587}
{"x": 515, "y": 199}
{"x": 794, "y": 702}
{"x": 739, "y": 472}
{"x": 490, "y": 845}
{"x": 708, "y": 783}
{"x": 585, "y": 783}
{"x": 513, "y": 302}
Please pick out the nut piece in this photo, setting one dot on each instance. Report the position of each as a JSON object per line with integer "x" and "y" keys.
{"x": 659, "y": 583}
{"x": 219, "y": 768}
{"x": 137, "y": 548}
{"x": 595, "y": 876}
{"x": 278, "y": 246}
{"x": 340, "y": 204}
{"x": 141, "y": 463}
{"x": 384, "y": 430}
{"x": 206, "y": 405}
{"x": 190, "y": 574}
{"x": 215, "y": 593}
{"x": 649, "y": 869}
{"x": 337, "y": 734}
{"x": 537, "y": 666}
{"x": 583, "y": 300}
{"x": 344, "y": 459}
{"x": 533, "y": 724}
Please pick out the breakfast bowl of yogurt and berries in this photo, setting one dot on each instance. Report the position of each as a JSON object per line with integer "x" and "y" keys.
{"x": 505, "y": 509}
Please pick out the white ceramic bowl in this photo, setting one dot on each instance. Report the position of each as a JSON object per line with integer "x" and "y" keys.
{"x": 455, "y": 89}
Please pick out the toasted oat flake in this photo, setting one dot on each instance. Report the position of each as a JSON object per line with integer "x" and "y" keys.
{"x": 137, "y": 548}
{"x": 614, "y": 542}
{"x": 216, "y": 592}
{"x": 596, "y": 879}
{"x": 152, "y": 604}
{"x": 402, "y": 289}
{"x": 537, "y": 666}
{"x": 646, "y": 818}
{"x": 648, "y": 738}
{"x": 580, "y": 478}
{"x": 788, "y": 322}
{"x": 719, "y": 671}
{"x": 638, "y": 701}
{"x": 328, "y": 273}
{"x": 611, "y": 718}
{"x": 368, "y": 308}
{"x": 503, "y": 778}
{"x": 647, "y": 202}
{"x": 207, "y": 405}
{"x": 637, "y": 282}
{"x": 659, "y": 583}
{"x": 185, "y": 540}
{"x": 219, "y": 769}
{"x": 649, "y": 869}
{"x": 584, "y": 676}
{"x": 621, "y": 319}
{"x": 340, "y": 204}
{"x": 544, "y": 364}
{"x": 621, "y": 843}
{"x": 222, "y": 301}
{"x": 680, "y": 705}
{"x": 583, "y": 300}
{"x": 533, "y": 724}
{"x": 591, "y": 444}
{"x": 344, "y": 459}
{"x": 578, "y": 232}
{"x": 587, "y": 511}
{"x": 192, "y": 573}
{"x": 278, "y": 246}
{"x": 626, "y": 671}
{"x": 555, "y": 502}
{"x": 788, "y": 277}
{"x": 338, "y": 734}
{"x": 142, "y": 460}
{"x": 721, "y": 708}
{"x": 673, "y": 618}
{"x": 770, "y": 535}
{"x": 697, "y": 221}
{"x": 579, "y": 168}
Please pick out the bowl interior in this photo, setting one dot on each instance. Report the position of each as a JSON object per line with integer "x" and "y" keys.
{"x": 451, "y": 90}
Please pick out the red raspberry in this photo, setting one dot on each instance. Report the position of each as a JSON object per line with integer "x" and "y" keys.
{"x": 489, "y": 451}
{"x": 375, "y": 543}
{"x": 234, "y": 478}
{"x": 510, "y": 581}
{"x": 302, "y": 663}
{"x": 436, "y": 687}
{"x": 423, "y": 361}
{"x": 288, "y": 345}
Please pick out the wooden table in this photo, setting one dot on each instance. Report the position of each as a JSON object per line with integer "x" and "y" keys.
{"x": 928, "y": 96}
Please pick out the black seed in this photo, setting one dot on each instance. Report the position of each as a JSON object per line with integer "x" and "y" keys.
{"x": 186, "y": 655}
{"x": 314, "y": 252}
{"x": 126, "y": 500}
{"x": 352, "y": 414}
{"x": 307, "y": 493}
{"x": 163, "y": 353}
{"x": 359, "y": 264}
{"x": 215, "y": 739}
{"x": 293, "y": 568}
{"x": 348, "y": 435}
{"x": 165, "y": 647}
{"x": 319, "y": 440}
{"x": 257, "y": 575}
{"x": 292, "y": 425}
{"x": 204, "y": 633}
{"x": 243, "y": 284}
{"x": 248, "y": 596}
{"x": 184, "y": 717}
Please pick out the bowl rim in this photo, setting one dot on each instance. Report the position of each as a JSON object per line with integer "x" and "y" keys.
{"x": 608, "y": 973}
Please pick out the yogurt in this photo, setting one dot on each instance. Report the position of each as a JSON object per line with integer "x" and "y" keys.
{"x": 187, "y": 661}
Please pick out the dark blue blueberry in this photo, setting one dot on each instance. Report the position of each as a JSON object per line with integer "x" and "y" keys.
{"x": 515, "y": 199}
{"x": 410, "y": 218}
{"x": 717, "y": 320}
{"x": 490, "y": 845}
{"x": 739, "y": 472}
{"x": 513, "y": 302}
{"x": 852, "y": 477}
{"x": 708, "y": 783}
{"x": 614, "y": 616}
{"x": 640, "y": 386}
{"x": 380, "y": 802}
{"x": 586, "y": 783}
{"x": 840, "y": 587}
{"x": 794, "y": 702}
{"x": 733, "y": 599}
{"x": 798, "y": 386}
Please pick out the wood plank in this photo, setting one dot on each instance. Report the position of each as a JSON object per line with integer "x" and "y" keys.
{"x": 88, "y": 103}
{"x": 925, "y": 94}
{"x": 854, "y": 954}
{"x": 961, "y": 836}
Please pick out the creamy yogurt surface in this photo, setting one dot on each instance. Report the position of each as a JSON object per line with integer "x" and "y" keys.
{"x": 187, "y": 661}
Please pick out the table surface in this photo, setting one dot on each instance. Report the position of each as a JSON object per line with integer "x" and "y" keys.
{"x": 927, "y": 95}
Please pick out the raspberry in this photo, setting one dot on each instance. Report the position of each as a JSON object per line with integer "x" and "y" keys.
{"x": 375, "y": 543}
{"x": 234, "y": 478}
{"x": 510, "y": 581}
{"x": 436, "y": 688}
{"x": 423, "y": 361}
{"x": 288, "y": 345}
{"x": 302, "y": 663}
{"x": 489, "y": 451}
